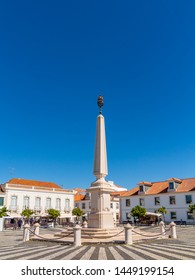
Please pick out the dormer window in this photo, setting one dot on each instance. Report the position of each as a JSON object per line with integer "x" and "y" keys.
{"x": 173, "y": 184}
{"x": 141, "y": 189}
{"x": 144, "y": 186}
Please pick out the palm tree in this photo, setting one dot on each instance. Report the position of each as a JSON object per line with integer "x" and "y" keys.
{"x": 191, "y": 208}
{"x": 163, "y": 211}
{"x": 3, "y": 212}
{"x": 27, "y": 213}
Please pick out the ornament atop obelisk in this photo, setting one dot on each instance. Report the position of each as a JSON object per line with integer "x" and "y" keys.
{"x": 100, "y": 215}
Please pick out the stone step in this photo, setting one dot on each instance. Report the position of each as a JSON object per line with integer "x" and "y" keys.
{"x": 91, "y": 233}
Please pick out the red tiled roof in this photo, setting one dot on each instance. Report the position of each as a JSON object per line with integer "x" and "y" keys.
{"x": 18, "y": 181}
{"x": 185, "y": 185}
{"x": 78, "y": 197}
{"x": 145, "y": 183}
{"x": 131, "y": 192}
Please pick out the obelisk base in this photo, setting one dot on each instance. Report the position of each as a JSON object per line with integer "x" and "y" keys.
{"x": 100, "y": 215}
{"x": 103, "y": 220}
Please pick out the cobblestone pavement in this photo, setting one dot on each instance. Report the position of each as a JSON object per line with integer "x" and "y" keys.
{"x": 182, "y": 248}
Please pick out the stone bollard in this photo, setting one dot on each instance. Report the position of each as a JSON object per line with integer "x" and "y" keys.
{"x": 173, "y": 230}
{"x": 85, "y": 224}
{"x": 77, "y": 235}
{"x": 36, "y": 226}
{"x": 26, "y": 232}
{"x": 162, "y": 228}
{"x": 128, "y": 234}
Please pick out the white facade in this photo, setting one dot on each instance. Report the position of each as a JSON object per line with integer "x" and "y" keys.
{"x": 176, "y": 203}
{"x": 38, "y": 198}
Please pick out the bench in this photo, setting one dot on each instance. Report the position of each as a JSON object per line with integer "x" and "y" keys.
{"x": 8, "y": 225}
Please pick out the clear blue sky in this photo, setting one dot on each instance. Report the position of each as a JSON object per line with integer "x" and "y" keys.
{"x": 56, "y": 57}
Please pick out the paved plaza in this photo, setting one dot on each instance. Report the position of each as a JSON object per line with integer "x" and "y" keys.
{"x": 183, "y": 248}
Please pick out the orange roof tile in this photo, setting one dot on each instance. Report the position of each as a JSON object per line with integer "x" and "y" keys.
{"x": 145, "y": 183}
{"x": 18, "y": 181}
{"x": 130, "y": 192}
{"x": 158, "y": 187}
{"x": 174, "y": 179}
{"x": 78, "y": 197}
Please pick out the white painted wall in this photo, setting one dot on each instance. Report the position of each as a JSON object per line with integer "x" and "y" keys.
{"x": 43, "y": 194}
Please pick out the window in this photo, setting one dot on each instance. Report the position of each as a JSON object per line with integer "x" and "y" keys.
{"x": 128, "y": 202}
{"x": 48, "y": 203}
{"x": 38, "y": 203}
{"x": 171, "y": 185}
{"x": 128, "y": 215}
{"x": 157, "y": 200}
{"x": 172, "y": 200}
{"x": 117, "y": 205}
{"x": 1, "y": 201}
{"x": 173, "y": 215}
{"x": 141, "y": 188}
{"x": 26, "y": 202}
{"x": 13, "y": 203}
{"x": 188, "y": 199}
{"x": 76, "y": 205}
{"x": 111, "y": 205}
{"x": 141, "y": 201}
{"x": 67, "y": 204}
{"x": 189, "y": 216}
{"x": 58, "y": 204}
{"x": 89, "y": 205}
{"x": 83, "y": 205}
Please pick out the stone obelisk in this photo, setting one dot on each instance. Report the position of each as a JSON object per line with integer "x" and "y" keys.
{"x": 100, "y": 215}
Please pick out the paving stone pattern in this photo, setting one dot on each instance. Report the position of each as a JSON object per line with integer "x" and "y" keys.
{"x": 183, "y": 248}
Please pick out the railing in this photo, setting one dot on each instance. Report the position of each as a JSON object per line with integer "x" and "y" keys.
{"x": 77, "y": 233}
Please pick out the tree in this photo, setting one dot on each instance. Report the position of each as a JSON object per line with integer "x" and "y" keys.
{"x": 138, "y": 211}
{"x": 163, "y": 211}
{"x": 77, "y": 212}
{"x": 3, "y": 212}
{"x": 191, "y": 208}
{"x": 53, "y": 213}
{"x": 27, "y": 213}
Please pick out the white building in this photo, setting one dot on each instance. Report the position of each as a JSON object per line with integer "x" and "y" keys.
{"x": 174, "y": 194}
{"x": 20, "y": 194}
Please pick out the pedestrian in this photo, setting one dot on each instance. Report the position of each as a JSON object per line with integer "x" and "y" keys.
{"x": 19, "y": 223}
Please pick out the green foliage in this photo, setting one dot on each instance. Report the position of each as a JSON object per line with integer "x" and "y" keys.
{"x": 162, "y": 210}
{"x": 77, "y": 212}
{"x": 191, "y": 208}
{"x": 27, "y": 213}
{"x": 138, "y": 211}
{"x": 3, "y": 212}
{"x": 53, "y": 213}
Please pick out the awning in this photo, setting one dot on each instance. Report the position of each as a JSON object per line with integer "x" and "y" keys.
{"x": 153, "y": 214}
{"x": 13, "y": 215}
